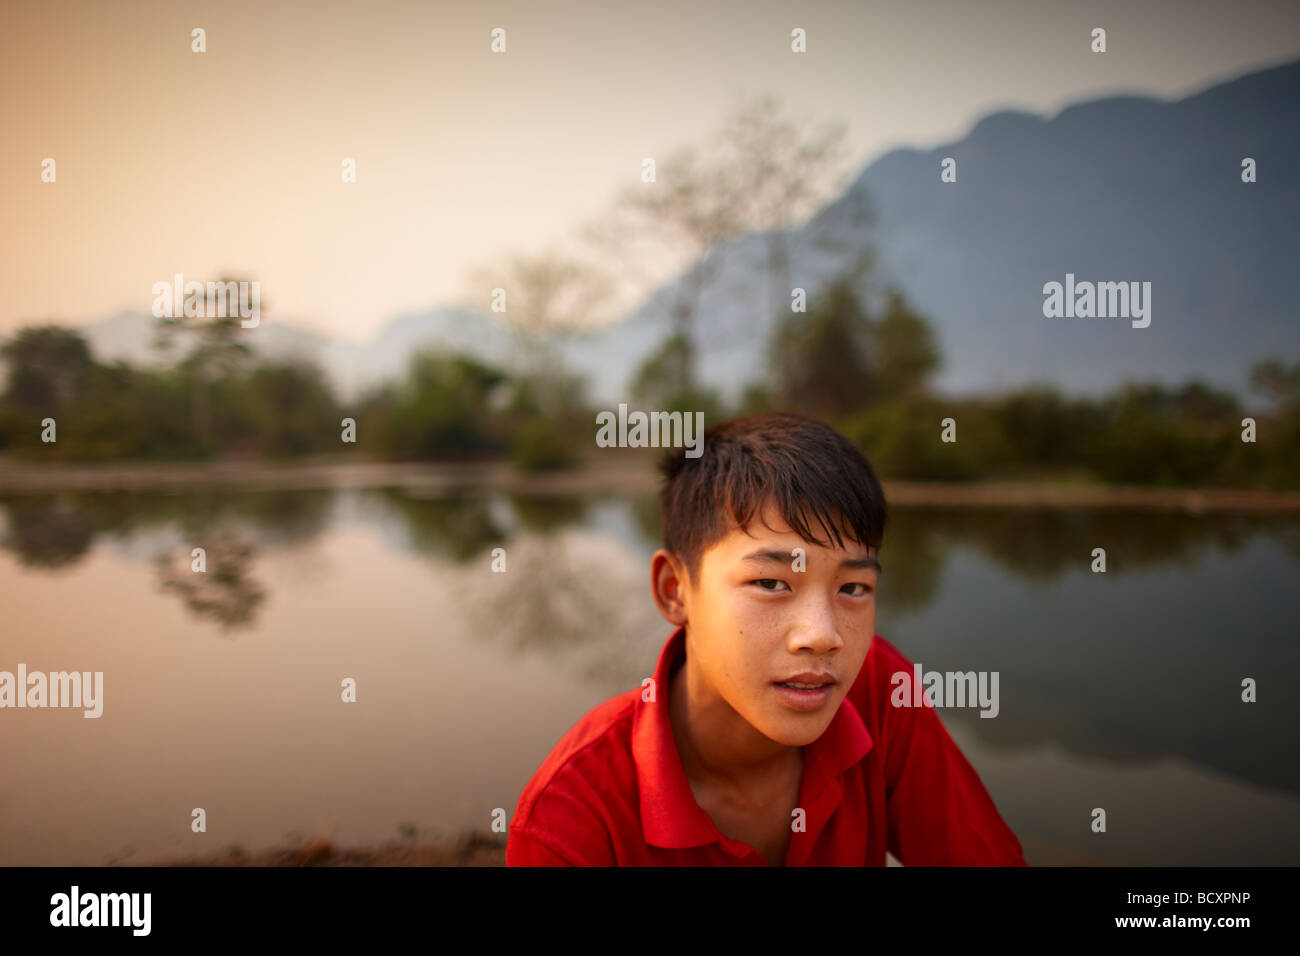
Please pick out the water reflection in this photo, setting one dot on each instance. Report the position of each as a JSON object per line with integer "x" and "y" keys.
{"x": 54, "y": 530}
{"x": 1044, "y": 545}
{"x": 45, "y": 531}
{"x": 57, "y": 531}
{"x": 222, "y": 587}
{"x": 1125, "y": 669}
{"x": 456, "y": 529}
{"x": 1137, "y": 665}
{"x": 573, "y": 592}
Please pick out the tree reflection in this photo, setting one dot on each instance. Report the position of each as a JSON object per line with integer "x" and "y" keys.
{"x": 225, "y": 591}
{"x": 457, "y": 528}
{"x": 1121, "y": 667}
{"x": 57, "y": 531}
{"x": 46, "y": 531}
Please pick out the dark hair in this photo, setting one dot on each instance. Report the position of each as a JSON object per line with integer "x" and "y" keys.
{"x": 804, "y": 467}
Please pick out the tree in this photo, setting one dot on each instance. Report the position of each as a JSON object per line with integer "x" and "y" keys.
{"x": 49, "y": 368}
{"x": 217, "y": 354}
{"x": 905, "y": 352}
{"x": 763, "y": 174}
{"x": 660, "y": 377}
{"x": 821, "y": 359}
{"x": 1279, "y": 382}
{"x": 549, "y": 298}
{"x": 691, "y": 209}
{"x": 838, "y": 357}
{"x": 1199, "y": 402}
{"x": 440, "y": 410}
{"x": 664, "y": 383}
{"x": 784, "y": 171}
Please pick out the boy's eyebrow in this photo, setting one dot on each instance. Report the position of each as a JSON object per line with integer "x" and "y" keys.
{"x": 783, "y": 557}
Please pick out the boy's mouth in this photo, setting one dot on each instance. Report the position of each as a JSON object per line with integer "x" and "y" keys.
{"x": 807, "y": 681}
{"x": 806, "y": 691}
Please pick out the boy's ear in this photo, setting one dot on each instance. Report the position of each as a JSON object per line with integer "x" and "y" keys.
{"x": 668, "y": 584}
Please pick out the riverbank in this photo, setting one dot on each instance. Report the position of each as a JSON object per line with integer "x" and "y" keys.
{"x": 630, "y": 472}
{"x": 475, "y": 849}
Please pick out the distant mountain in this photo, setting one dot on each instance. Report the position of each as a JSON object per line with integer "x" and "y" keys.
{"x": 1122, "y": 188}
{"x": 350, "y": 366}
{"x": 1118, "y": 189}
{"x": 129, "y": 337}
{"x": 355, "y": 366}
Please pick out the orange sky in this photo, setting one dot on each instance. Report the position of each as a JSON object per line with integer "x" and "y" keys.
{"x": 170, "y": 161}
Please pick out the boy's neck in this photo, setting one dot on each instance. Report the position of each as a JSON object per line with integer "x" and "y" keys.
{"x": 715, "y": 743}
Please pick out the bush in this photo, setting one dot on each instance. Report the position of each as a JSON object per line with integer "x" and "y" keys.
{"x": 902, "y": 440}
{"x": 1143, "y": 449}
{"x": 544, "y": 445}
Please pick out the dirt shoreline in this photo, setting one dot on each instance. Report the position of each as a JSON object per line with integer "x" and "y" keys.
{"x": 475, "y": 849}
{"x": 630, "y": 474}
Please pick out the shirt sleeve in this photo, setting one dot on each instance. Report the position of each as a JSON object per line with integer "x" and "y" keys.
{"x": 563, "y": 828}
{"x": 939, "y": 812}
{"x": 524, "y": 848}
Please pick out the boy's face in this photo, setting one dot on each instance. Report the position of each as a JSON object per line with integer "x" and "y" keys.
{"x": 754, "y": 621}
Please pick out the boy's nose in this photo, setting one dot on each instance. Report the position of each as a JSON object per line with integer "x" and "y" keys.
{"x": 815, "y": 629}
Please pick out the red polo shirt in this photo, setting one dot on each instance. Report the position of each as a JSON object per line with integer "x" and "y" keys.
{"x": 613, "y": 792}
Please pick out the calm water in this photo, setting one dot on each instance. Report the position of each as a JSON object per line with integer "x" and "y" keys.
{"x": 222, "y": 690}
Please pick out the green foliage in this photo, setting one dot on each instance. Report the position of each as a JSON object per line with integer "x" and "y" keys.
{"x": 756, "y": 398}
{"x": 663, "y": 383}
{"x": 664, "y": 377}
{"x": 119, "y": 413}
{"x": 1038, "y": 425}
{"x": 1146, "y": 435}
{"x": 1193, "y": 402}
{"x": 544, "y": 445}
{"x": 291, "y": 407}
{"x": 837, "y": 358}
{"x": 49, "y": 368}
{"x": 1146, "y": 448}
{"x": 901, "y": 440}
{"x": 442, "y": 410}
{"x": 218, "y": 401}
{"x": 903, "y": 350}
{"x": 1279, "y": 382}
{"x": 1149, "y": 433}
{"x": 210, "y": 402}
{"x": 552, "y": 393}
{"x": 822, "y": 359}
{"x": 1279, "y": 464}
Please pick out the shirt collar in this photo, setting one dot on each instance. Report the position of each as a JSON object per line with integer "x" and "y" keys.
{"x": 670, "y": 817}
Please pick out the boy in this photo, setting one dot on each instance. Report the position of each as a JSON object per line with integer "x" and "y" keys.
{"x": 767, "y": 734}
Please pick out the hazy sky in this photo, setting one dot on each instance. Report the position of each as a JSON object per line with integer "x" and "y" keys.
{"x": 229, "y": 161}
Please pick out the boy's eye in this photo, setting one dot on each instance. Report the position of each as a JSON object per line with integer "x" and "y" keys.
{"x": 858, "y": 584}
{"x": 769, "y": 584}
